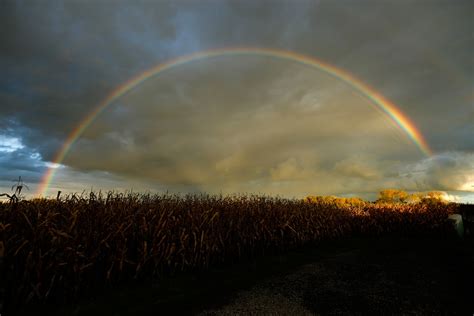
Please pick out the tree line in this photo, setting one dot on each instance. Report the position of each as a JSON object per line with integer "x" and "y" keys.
{"x": 392, "y": 196}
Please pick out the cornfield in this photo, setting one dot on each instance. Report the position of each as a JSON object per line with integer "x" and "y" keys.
{"x": 58, "y": 250}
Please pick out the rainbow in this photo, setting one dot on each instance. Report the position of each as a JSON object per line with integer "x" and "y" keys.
{"x": 380, "y": 102}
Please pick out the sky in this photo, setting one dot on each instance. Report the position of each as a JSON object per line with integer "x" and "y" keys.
{"x": 237, "y": 123}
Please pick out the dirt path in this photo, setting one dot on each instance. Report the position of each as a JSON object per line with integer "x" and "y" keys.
{"x": 379, "y": 278}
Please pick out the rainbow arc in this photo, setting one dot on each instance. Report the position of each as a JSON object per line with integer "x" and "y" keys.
{"x": 379, "y": 101}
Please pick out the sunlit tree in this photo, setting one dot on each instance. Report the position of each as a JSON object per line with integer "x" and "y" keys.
{"x": 414, "y": 198}
{"x": 392, "y": 196}
{"x": 434, "y": 197}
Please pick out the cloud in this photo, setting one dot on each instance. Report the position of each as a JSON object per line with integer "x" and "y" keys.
{"x": 10, "y": 144}
{"x": 17, "y": 160}
{"x": 445, "y": 171}
{"x": 358, "y": 167}
{"x": 290, "y": 170}
{"x": 244, "y": 123}
{"x": 207, "y": 130}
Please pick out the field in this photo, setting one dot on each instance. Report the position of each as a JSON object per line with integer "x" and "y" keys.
{"x": 58, "y": 251}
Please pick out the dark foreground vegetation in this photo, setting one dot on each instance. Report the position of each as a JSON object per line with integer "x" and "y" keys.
{"x": 56, "y": 251}
{"x": 388, "y": 275}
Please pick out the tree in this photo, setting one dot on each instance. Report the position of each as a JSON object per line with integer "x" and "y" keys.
{"x": 434, "y": 197}
{"x": 392, "y": 196}
{"x": 414, "y": 198}
{"x": 438, "y": 195}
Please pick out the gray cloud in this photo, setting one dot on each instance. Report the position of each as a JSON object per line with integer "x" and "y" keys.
{"x": 446, "y": 171}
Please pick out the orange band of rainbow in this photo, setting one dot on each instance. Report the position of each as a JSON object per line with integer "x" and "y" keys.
{"x": 387, "y": 107}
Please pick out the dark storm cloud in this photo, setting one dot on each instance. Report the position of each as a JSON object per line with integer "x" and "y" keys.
{"x": 59, "y": 59}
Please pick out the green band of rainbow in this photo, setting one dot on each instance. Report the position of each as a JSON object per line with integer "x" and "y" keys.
{"x": 387, "y": 107}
